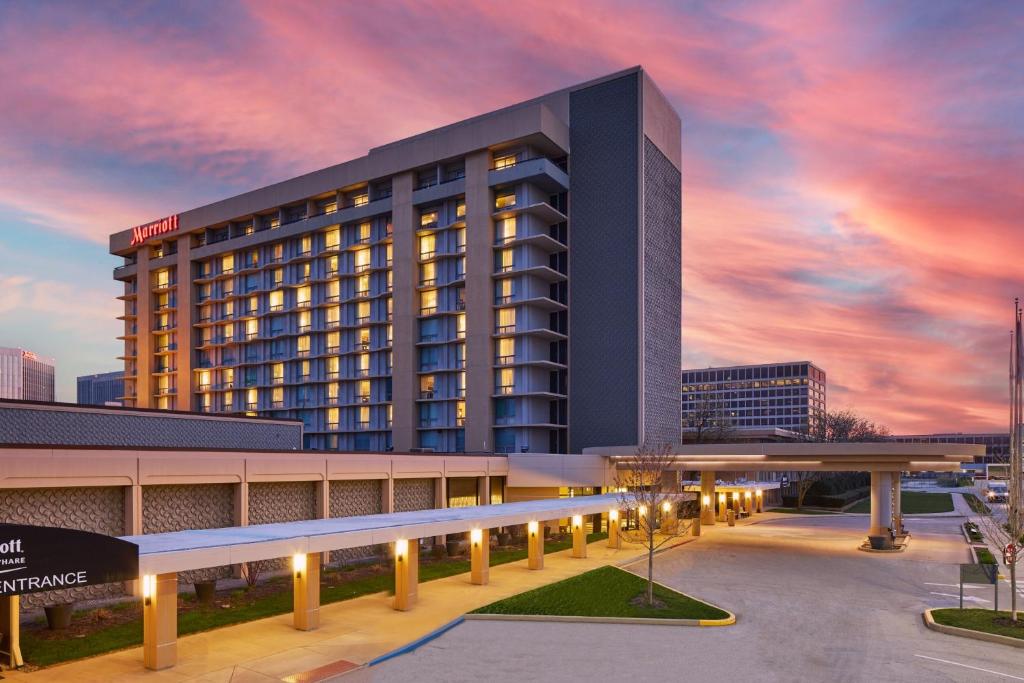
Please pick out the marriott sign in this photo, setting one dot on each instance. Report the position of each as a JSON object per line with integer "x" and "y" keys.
{"x": 141, "y": 233}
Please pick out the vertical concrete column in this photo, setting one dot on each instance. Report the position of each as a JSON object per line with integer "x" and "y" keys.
{"x": 534, "y": 546}
{"x": 185, "y": 379}
{"x": 759, "y": 502}
{"x": 240, "y": 513}
{"x": 407, "y": 573}
{"x": 722, "y": 507}
{"x": 579, "y": 537}
{"x": 440, "y": 501}
{"x": 881, "y": 503}
{"x": 736, "y": 503}
{"x": 160, "y": 620}
{"x": 10, "y": 631}
{"x": 479, "y": 303}
{"x": 404, "y": 363}
{"x": 132, "y": 525}
{"x": 144, "y": 332}
{"x": 669, "y": 518}
{"x": 897, "y": 501}
{"x": 707, "y": 498}
{"x": 479, "y": 556}
{"x": 748, "y": 502}
{"x": 322, "y": 491}
{"x": 483, "y": 490}
{"x": 614, "y": 537}
{"x": 306, "y": 590}
{"x": 387, "y": 495}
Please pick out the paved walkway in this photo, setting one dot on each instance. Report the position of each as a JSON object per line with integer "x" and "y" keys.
{"x": 810, "y": 608}
{"x": 356, "y": 630}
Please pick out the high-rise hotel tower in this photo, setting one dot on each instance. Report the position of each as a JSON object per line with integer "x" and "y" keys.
{"x": 510, "y": 282}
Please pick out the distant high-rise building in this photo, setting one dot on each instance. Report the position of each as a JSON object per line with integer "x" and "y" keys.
{"x": 25, "y": 376}
{"x": 788, "y": 396}
{"x": 997, "y": 444}
{"x": 105, "y": 388}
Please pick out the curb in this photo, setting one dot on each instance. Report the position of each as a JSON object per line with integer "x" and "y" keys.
{"x": 422, "y": 640}
{"x": 930, "y": 622}
{"x": 728, "y": 621}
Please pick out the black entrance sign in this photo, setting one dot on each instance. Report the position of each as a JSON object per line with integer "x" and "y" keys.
{"x": 42, "y": 558}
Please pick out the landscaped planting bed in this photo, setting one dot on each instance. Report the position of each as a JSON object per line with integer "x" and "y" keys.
{"x": 984, "y": 620}
{"x": 914, "y": 503}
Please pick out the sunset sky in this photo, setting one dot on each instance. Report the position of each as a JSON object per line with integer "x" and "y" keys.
{"x": 853, "y": 172}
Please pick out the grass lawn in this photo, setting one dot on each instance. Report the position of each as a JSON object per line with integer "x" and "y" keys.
{"x": 44, "y": 651}
{"x": 914, "y": 503}
{"x": 804, "y": 511}
{"x": 980, "y": 620}
{"x": 605, "y": 592}
{"x": 976, "y": 504}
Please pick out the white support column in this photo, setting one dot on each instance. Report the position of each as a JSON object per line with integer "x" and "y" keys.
{"x": 881, "y": 503}
{"x": 614, "y": 538}
{"x": 407, "y": 573}
{"x": 160, "y": 621}
{"x": 306, "y": 591}
{"x": 535, "y": 545}
{"x": 897, "y": 501}
{"x": 707, "y": 498}
{"x": 479, "y": 556}
{"x": 579, "y": 537}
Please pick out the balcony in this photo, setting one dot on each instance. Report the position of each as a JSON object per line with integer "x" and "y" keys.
{"x": 505, "y": 329}
{"x": 538, "y": 171}
{"x": 429, "y": 393}
{"x": 505, "y": 389}
{"x": 363, "y": 398}
{"x": 505, "y": 360}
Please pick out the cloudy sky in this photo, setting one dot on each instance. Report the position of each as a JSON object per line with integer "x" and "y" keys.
{"x": 853, "y": 172}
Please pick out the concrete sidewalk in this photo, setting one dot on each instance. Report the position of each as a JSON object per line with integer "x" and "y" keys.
{"x": 356, "y": 630}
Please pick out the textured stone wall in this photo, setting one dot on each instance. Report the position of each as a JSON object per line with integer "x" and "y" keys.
{"x": 414, "y": 494}
{"x": 180, "y": 507}
{"x": 99, "y": 509}
{"x": 349, "y": 498}
{"x": 281, "y": 501}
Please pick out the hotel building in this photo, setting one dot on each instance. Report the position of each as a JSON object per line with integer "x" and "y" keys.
{"x": 25, "y": 375}
{"x": 788, "y": 396}
{"x": 997, "y": 444}
{"x": 105, "y": 388}
{"x": 507, "y": 283}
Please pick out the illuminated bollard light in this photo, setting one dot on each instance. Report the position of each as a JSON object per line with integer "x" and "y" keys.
{"x": 534, "y": 546}
{"x": 614, "y": 537}
{"x": 306, "y": 591}
{"x": 479, "y": 556}
{"x": 579, "y": 537}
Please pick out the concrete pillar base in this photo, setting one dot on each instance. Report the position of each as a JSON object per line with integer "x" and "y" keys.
{"x": 160, "y": 621}
{"x": 479, "y": 556}
{"x": 306, "y": 591}
{"x": 707, "y": 498}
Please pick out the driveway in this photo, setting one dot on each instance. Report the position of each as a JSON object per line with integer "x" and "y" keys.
{"x": 811, "y": 608}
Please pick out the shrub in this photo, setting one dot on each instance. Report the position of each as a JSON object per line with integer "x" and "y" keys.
{"x": 976, "y": 505}
{"x": 972, "y": 532}
{"x": 985, "y": 556}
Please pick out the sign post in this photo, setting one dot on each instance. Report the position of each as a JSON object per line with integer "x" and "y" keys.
{"x": 35, "y": 559}
{"x": 979, "y": 574}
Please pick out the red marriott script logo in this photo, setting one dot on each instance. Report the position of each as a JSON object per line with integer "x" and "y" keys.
{"x": 141, "y": 233}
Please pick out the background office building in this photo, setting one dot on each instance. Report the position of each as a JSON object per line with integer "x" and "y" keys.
{"x": 102, "y": 389}
{"x": 438, "y": 293}
{"x": 997, "y": 444}
{"x": 25, "y": 376}
{"x": 788, "y": 396}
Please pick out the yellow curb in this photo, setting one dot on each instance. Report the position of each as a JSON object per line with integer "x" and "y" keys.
{"x": 930, "y": 622}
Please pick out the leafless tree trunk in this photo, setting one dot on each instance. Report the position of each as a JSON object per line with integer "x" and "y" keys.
{"x": 639, "y": 482}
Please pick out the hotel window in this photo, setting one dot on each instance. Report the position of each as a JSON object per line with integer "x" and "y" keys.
{"x": 362, "y": 260}
{"x": 227, "y": 332}
{"x": 361, "y": 199}
{"x": 427, "y": 246}
{"x": 304, "y": 271}
{"x": 504, "y": 161}
{"x": 251, "y": 399}
{"x": 163, "y": 301}
{"x": 204, "y": 292}
{"x": 506, "y": 291}
{"x": 428, "y": 218}
{"x": 460, "y": 209}
{"x": 505, "y": 230}
{"x": 277, "y": 253}
{"x": 505, "y": 200}
{"x": 333, "y": 342}
{"x": 333, "y": 418}
{"x": 428, "y": 274}
{"x": 331, "y": 266}
{"x": 460, "y": 413}
{"x": 227, "y": 263}
{"x": 426, "y": 386}
{"x": 228, "y": 402}
{"x": 252, "y": 328}
{"x": 305, "y": 318}
{"x": 227, "y": 378}
{"x": 163, "y": 321}
{"x": 428, "y": 358}
{"x": 205, "y": 401}
{"x": 332, "y": 238}
{"x": 306, "y": 245}
{"x": 334, "y": 316}
{"x": 364, "y": 339}
{"x": 390, "y": 304}
{"x": 303, "y": 296}
{"x": 460, "y": 326}
{"x": 363, "y": 285}
{"x": 364, "y": 232}
{"x": 388, "y": 281}
{"x": 163, "y": 278}
{"x": 460, "y": 240}
{"x": 253, "y": 259}
{"x": 363, "y": 391}
{"x": 460, "y": 384}
{"x": 304, "y": 370}
{"x": 388, "y": 340}
{"x": 460, "y": 355}
{"x": 333, "y": 390}
{"x": 363, "y": 365}
{"x": 428, "y": 302}
{"x": 277, "y": 276}
{"x": 506, "y": 350}
{"x": 460, "y": 268}
{"x": 277, "y": 373}
{"x": 333, "y": 290}
{"x": 389, "y": 417}
{"x": 163, "y": 342}
{"x": 205, "y": 313}
{"x": 277, "y": 397}
{"x": 362, "y": 312}
{"x": 302, "y": 345}
{"x": 388, "y": 254}
{"x": 506, "y": 260}
{"x": 506, "y": 381}
{"x": 332, "y": 367}
{"x": 204, "y": 380}
{"x": 364, "y": 417}
{"x": 276, "y": 300}
{"x": 506, "y": 320}
{"x": 252, "y": 305}
{"x": 228, "y": 310}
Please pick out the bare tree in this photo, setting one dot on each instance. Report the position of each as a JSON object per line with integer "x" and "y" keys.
{"x": 708, "y": 422}
{"x": 832, "y": 427}
{"x": 639, "y": 481}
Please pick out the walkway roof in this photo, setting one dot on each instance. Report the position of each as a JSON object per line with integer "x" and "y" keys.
{"x": 183, "y": 550}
